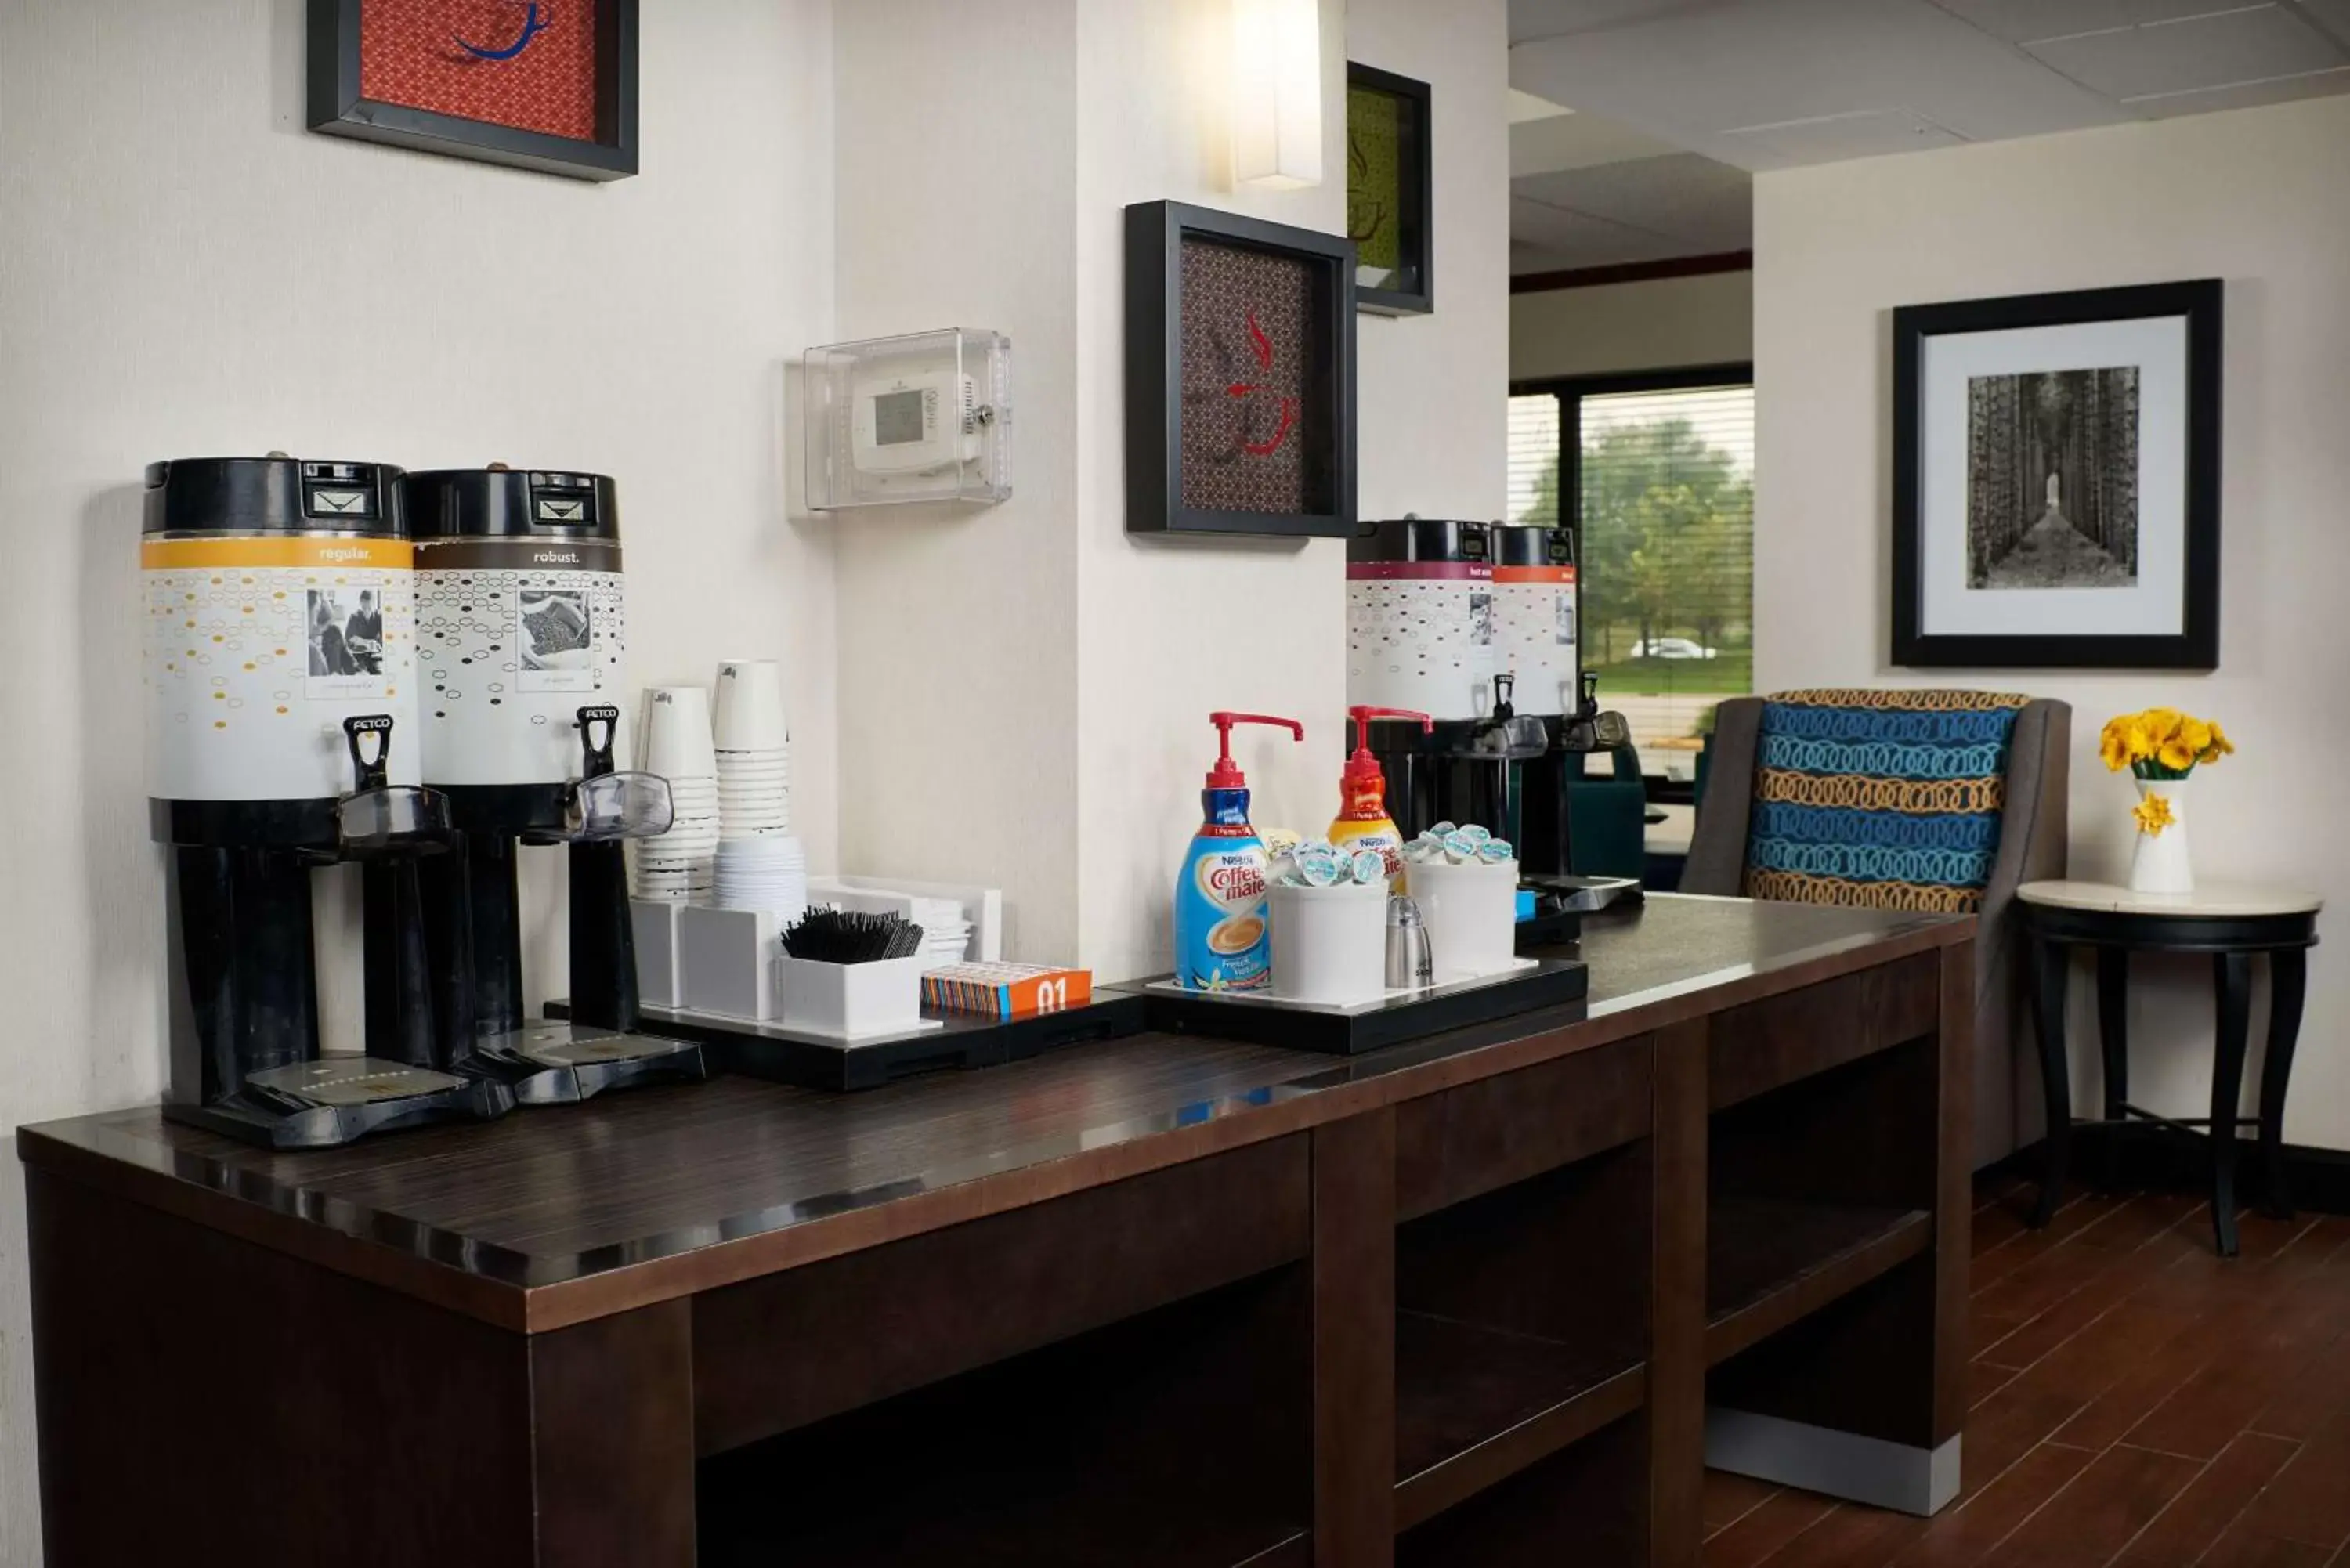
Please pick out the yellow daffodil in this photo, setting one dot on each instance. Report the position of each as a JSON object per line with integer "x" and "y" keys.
{"x": 2153, "y": 814}
{"x": 2161, "y": 742}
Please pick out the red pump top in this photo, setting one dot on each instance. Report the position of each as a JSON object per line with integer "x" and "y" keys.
{"x": 1363, "y": 768}
{"x": 1226, "y": 773}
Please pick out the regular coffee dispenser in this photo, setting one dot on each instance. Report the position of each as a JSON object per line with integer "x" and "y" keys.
{"x": 279, "y": 662}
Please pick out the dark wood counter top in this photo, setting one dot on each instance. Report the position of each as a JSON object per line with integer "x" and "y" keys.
{"x": 553, "y": 1218}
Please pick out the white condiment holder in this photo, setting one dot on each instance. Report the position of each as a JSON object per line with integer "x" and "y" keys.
{"x": 661, "y": 977}
{"x": 1329, "y": 944}
{"x": 723, "y": 955}
{"x": 850, "y": 1001}
{"x": 1471, "y": 911}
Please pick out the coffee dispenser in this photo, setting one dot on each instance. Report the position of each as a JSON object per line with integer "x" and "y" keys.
{"x": 520, "y": 654}
{"x": 1476, "y": 625}
{"x": 1537, "y": 611}
{"x": 280, "y": 660}
{"x": 1423, "y": 633}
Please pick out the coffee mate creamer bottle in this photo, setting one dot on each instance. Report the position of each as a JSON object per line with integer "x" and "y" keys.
{"x": 1221, "y": 941}
{"x": 1363, "y": 821}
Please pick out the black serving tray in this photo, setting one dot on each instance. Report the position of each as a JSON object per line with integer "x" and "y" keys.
{"x": 1264, "y": 1020}
{"x": 820, "y": 1062}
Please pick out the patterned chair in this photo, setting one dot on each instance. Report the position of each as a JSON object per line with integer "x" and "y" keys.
{"x": 1937, "y": 799}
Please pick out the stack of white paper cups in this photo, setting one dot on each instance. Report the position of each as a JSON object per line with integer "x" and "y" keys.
{"x": 677, "y": 864}
{"x": 753, "y": 750}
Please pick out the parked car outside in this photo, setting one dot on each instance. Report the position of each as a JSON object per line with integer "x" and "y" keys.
{"x": 1673, "y": 647}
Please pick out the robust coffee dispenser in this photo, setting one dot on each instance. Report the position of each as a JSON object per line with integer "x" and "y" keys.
{"x": 520, "y": 650}
{"x": 279, "y": 665}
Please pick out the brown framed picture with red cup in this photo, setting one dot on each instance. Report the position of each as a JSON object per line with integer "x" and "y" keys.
{"x": 548, "y": 85}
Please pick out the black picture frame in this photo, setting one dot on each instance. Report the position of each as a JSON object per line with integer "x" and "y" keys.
{"x": 1156, "y": 232}
{"x": 336, "y": 109}
{"x": 2196, "y": 647}
{"x": 1417, "y": 221}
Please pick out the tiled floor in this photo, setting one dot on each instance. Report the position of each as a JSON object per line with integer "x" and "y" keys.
{"x": 2138, "y": 1401}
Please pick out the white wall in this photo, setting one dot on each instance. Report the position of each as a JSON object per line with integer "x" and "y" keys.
{"x": 2255, "y": 197}
{"x": 958, "y": 625}
{"x": 1615, "y": 327}
{"x": 1433, "y": 393}
{"x": 1049, "y": 675}
{"x": 1171, "y": 629}
{"x": 184, "y": 270}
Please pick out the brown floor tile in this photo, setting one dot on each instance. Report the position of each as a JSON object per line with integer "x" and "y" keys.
{"x": 2199, "y": 1516}
{"x": 1851, "y": 1537}
{"x": 1965, "y": 1532}
{"x": 1995, "y": 1263}
{"x": 2096, "y": 1515}
{"x": 2101, "y": 1277}
{"x": 2242, "y": 1548}
{"x": 2309, "y": 1501}
{"x": 1730, "y": 1498}
{"x": 2245, "y": 1374}
{"x": 1779, "y": 1520}
{"x": 1983, "y": 1380}
{"x": 2230, "y": 1299}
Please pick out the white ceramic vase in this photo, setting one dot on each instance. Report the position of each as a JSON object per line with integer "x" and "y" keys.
{"x": 2160, "y": 863}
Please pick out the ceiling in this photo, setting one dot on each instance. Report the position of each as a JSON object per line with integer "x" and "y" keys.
{"x": 1674, "y": 103}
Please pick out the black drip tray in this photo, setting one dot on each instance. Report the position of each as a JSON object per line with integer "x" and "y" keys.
{"x": 1397, "y": 1018}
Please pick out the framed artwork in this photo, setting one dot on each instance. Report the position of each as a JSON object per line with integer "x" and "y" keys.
{"x": 549, "y": 85}
{"x": 2056, "y": 480}
{"x": 1391, "y": 192}
{"x": 1240, "y": 375}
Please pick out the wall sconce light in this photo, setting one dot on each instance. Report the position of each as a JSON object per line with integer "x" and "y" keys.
{"x": 1276, "y": 93}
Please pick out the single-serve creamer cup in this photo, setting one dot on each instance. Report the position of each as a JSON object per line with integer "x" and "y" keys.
{"x": 1329, "y": 944}
{"x": 1471, "y": 914}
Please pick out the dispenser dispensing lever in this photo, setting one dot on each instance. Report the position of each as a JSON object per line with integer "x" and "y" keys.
{"x": 371, "y": 766}
{"x": 595, "y": 757}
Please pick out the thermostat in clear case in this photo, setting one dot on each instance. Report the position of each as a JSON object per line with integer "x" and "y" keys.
{"x": 925, "y": 416}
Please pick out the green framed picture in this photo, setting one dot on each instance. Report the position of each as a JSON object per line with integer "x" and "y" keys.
{"x": 1389, "y": 192}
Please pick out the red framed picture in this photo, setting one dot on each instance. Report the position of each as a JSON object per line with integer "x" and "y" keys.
{"x": 548, "y": 85}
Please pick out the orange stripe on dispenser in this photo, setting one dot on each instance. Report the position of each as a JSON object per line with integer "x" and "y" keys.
{"x": 1534, "y": 575}
{"x": 362, "y": 554}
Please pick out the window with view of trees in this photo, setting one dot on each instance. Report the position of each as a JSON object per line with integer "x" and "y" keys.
{"x": 1661, "y": 495}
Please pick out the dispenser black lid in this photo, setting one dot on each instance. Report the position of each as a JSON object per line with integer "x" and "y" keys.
{"x": 1531, "y": 545}
{"x": 273, "y": 494}
{"x": 1421, "y": 539}
{"x": 513, "y": 502}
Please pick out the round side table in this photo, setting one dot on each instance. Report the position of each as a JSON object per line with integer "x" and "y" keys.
{"x": 2232, "y": 924}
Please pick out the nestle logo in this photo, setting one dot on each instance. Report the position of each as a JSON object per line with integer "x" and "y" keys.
{"x": 557, "y": 557}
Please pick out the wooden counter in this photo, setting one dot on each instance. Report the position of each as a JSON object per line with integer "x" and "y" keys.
{"x": 1158, "y": 1300}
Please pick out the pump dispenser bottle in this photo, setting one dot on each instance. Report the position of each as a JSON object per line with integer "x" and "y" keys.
{"x": 1221, "y": 941}
{"x": 1363, "y": 821}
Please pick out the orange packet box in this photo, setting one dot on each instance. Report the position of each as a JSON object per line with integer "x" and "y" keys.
{"x": 1006, "y": 991}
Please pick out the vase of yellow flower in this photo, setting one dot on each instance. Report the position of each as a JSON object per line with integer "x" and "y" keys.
{"x": 2161, "y": 747}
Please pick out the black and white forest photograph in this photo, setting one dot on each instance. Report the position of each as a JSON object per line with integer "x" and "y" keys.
{"x": 2051, "y": 479}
